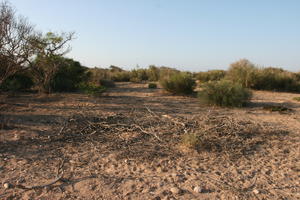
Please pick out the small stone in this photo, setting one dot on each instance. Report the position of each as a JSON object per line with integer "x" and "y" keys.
{"x": 175, "y": 190}
{"x": 197, "y": 189}
{"x": 6, "y": 185}
{"x": 255, "y": 191}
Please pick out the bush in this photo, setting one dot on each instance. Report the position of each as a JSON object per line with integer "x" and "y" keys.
{"x": 107, "y": 83}
{"x": 71, "y": 73}
{"x": 93, "y": 90}
{"x": 152, "y": 85}
{"x": 212, "y": 75}
{"x": 179, "y": 83}
{"x": 190, "y": 140}
{"x": 121, "y": 76}
{"x": 243, "y": 72}
{"x": 296, "y": 98}
{"x": 224, "y": 93}
{"x": 276, "y": 79}
{"x": 18, "y": 82}
{"x": 135, "y": 80}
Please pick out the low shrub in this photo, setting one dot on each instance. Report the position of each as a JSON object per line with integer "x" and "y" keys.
{"x": 179, "y": 83}
{"x": 152, "y": 85}
{"x": 135, "y": 80}
{"x": 276, "y": 108}
{"x": 296, "y": 98}
{"x": 224, "y": 93}
{"x": 190, "y": 140}
{"x": 121, "y": 76}
{"x": 93, "y": 90}
{"x": 107, "y": 83}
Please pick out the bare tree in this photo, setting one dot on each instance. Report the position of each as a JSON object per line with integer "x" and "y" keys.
{"x": 15, "y": 42}
{"x": 50, "y": 50}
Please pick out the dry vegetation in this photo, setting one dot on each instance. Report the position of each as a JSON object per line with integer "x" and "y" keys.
{"x": 131, "y": 143}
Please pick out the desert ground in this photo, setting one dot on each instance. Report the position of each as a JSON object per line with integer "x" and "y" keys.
{"x": 127, "y": 144}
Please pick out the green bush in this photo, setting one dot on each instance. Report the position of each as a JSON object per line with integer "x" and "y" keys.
{"x": 93, "y": 90}
{"x": 276, "y": 79}
{"x": 135, "y": 80}
{"x": 107, "y": 83}
{"x": 121, "y": 76}
{"x": 18, "y": 82}
{"x": 243, "y": 72}
{"x": 71, "y": 73}
{"x": 296, "y": 98}
{"x": 212, "y": 75}
{"x": 179, "y": 83}
{"x": 152, "y": 85}
{"x": 224, "y": 93}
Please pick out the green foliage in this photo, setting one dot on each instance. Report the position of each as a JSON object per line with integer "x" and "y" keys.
{"x": 17, "y": 82}
{"x": 243, "y": 72}
{"x": 138, "y": 75}
{"x": 276, "y": 79}
{"x": 93, "y": 90}
{"x": 296, "y": 98}
{"x": 70, "y": 74}
{"x": 121, "y": 76}
{"x": 152, "y": 85}
{"x": 178, "y": 83}
{"x": 153, "y": 73}
{"x": 224, "y": 93}
{"x": 190, "y": 140}
{"x": 212, "y": 75}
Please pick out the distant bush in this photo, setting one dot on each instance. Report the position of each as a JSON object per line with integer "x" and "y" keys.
{"x": 107, "y": 83}
{"x": 212, "y": 75}
{"x": 276, "y": 79}
{"x": 243, "y": 72}
{"x": 121, "y": 76}
{"x": 224, "y": 93}
{"x": 18, "y": 82}
{"x": 135, "y": 80}
{"x": 152, "y": 85}
{"x": 93, "y": 90}
{"x": 153, "y": 73}
{"x": 178, "y": 83}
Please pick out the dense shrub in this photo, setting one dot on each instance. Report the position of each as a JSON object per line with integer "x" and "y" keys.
{"x": 243, "y": 72}
{"x": 121, "y": 76}
{"x": 152, "y": 85}
{"x": 71, "y": 73}
{"x": 212, "y": 75}
{"x": 276, "y": 79}
{"x": 139, "y": 75}
{"x": 178, "y": 83}
{"x": 17, "y": 82}
{"x": 93, "y": 90}
{"x": 153, "y": 73}
{"x": 224, "y": 93}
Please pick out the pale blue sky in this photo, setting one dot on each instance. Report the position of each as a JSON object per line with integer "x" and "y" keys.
{"x": 192, "y": 35}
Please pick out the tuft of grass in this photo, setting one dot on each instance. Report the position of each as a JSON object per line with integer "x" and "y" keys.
{"x": 296, "y": 98}
{"x": 224, "y": 93}
{"x": 190, "y": 140}
{"x": 152, "y": 85}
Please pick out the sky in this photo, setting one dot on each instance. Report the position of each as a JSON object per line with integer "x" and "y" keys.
{"x": 194, "y": 35}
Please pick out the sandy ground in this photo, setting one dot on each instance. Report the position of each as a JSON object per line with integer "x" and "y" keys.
{"x": 127, "y": 144}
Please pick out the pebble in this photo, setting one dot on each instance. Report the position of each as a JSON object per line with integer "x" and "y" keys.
{"x": 175, "y": 190}
{"x": 6, "y": 185}
{"x": 255, "y": 191}
{"x": 197, "y": 189}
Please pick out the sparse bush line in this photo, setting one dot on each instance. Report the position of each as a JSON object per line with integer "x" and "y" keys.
{"x": 178, "y": 83}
